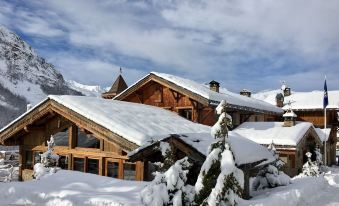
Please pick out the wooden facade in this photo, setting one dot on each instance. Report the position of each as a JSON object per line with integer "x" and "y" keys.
{"x": 81, "y": 144}
{"x": 294, "y": 156}
{"x": 155, "y": 91}
{"x": 317, "y": 117}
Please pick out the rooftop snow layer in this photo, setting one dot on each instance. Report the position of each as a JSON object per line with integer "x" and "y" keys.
{"x": 323, "y": 134}
{"x": 268, "y": 132}
{"x": 136, "y": 122}
{"x": 224, "y": 94}
{"x": 243, "y": 149}
{"x": 302, "y": 100}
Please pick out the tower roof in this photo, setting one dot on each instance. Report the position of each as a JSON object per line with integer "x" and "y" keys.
{"x": 118, "y": 86}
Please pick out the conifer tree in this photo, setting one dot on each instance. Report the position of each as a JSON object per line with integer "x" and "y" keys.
{"x": 219, "y": 181}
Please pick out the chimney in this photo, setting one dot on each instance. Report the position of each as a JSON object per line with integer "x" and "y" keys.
{"x": 28, "y": 107}
{"x": 289, "y": 118}
{"x": 279, "y": 100}
{"x": 214, "y": 86}
{"x": 286, "y": 90}
{"x": 245, "y": 92}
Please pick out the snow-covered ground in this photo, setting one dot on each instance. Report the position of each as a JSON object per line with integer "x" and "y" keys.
{"x": 66, "y": 188}
{"x": 309, "y": 191}
{"x": 76, "y": 188}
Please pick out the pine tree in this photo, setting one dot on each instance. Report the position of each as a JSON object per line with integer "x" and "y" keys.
{"x": 48, "y": 162}
{"x": 219, "y": 181}
{"x": 310, "y": 168}
{"x": 169, "y": 188}
{"x": 168, "y": 156}
{"x": 270, "y": 176}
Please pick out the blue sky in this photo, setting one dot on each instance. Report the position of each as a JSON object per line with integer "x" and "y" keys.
{"x": 241, "y": 44}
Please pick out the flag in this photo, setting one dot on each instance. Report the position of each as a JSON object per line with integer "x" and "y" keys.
{"x": 325, "y": 95}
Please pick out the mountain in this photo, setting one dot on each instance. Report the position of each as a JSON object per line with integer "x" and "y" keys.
{"x": 87, "y": 90}
{"x": 25, "y": 77}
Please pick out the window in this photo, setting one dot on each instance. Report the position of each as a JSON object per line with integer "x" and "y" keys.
{"x": 113, "y": 169}
{"x": 63, "y": 162}
{"x": 29, "y": 159}
{"x": 61, "y": 138}
{"x": 129, "y": 171}
{"x": 93, "y": 166}
{"x": 37, "y": 157}
{"x": 78, "y": 164}
{"x": 87, "y": 140}
{"x": 186, "y": 113}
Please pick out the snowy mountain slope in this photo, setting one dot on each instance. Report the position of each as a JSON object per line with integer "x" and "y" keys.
{"x": 24, "y": 77}
{"x": 87, "y": 90}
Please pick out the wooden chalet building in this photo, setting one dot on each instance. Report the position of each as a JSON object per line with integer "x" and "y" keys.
{"x": 308, "y": 106}
{"x": 91, "y": 134}
{"x": 118, "y": 86}
{"x": 292, "y": 139}
{"x": 195, "y": 101}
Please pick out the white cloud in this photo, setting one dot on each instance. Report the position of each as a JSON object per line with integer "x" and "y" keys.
{"x": 232, "y": 41}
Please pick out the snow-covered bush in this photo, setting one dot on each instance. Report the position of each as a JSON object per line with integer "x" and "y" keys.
{"x": 310, "y": 168}
{"x": 169, "y": 188}
{"x": 168, "y": 157}
{"x": 6, "y": 171}
{"x": 319, "y": 161}
{"x": 48, "y": 162}
{"x": 219, "y": 182}
{"x": 271, "y": 176}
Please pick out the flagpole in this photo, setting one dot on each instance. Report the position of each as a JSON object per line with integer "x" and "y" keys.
{"x": 325, "y": 121}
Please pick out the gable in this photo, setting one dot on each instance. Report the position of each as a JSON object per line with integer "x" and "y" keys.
{"x": 50, "y": 109}
{"x": 146, "y": 85}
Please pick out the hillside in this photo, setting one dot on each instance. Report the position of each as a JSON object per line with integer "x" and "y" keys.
{"x": 25, "y": 77}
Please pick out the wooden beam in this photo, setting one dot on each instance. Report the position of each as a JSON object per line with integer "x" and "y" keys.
{"x": 72, "y": 136}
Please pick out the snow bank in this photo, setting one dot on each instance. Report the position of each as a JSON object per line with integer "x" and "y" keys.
{"x": 72, "y": 188}
{"x": 296, "y": 193}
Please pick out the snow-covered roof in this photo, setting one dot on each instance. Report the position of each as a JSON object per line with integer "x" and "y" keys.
{"x": 302, "y": 100}
{"x": 137, "y": 123}
{"x": 215, "y": 97}
{"x": 290, "y": 113}
{"x": 268, "y": 132}
{"x": 323, "y": 134}
{"x": 243, "y": 149}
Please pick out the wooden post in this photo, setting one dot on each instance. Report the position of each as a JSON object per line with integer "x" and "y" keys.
{"x": 101, "y": 166}
{"x": 72, "y": 136}
{"x": 139, "y": 169}
{"x": 121, "y": 169}
{"x": 20, "y": 162}
{"x": 70, "y": 162}
{"x": 246, "y": 194}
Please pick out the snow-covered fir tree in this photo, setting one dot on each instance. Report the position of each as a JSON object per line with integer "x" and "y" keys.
{"x": 169, "y": 188}
{"x": 168, "y": 157}
{"x": 310, "y": 168}
{"x": 220, "y": 182}
{"x": 271, "y": 176}
{"x": 48, "y": 161}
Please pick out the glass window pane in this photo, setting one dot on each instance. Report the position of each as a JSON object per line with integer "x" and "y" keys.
{"x": 113, "y": 169}
{"x": 29, "y": 159}
{"x": 93, "y": 166}
{"x": 61, "y": 138}
{"x": 186, "y": 113}
{"x": 129, "y": 171}
{"x": 78, "y": 164}
{"x": 63, "y": 162}
{"x": 87, "y": 140}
